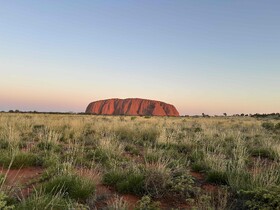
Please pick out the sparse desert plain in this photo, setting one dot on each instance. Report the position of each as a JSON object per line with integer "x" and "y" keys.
{"x": 128, "y": 162}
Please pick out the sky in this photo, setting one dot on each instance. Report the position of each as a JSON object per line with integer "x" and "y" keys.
{"x": 202, "y": 56}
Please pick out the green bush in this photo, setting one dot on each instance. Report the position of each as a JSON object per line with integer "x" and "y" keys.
{"x": 146, "y": 203}
{"x": 38, "y": 128}
{"x": 182, "y": 183}
{"x": 70, "y": 186}
{"x": 140, "y": 135}
{"x": 149, "y": 135}
{"x": 101, "y": 156}
{"x": 4, "y": 144}
{"x": 268, "y": 126}
{"x": 267, "y": 199}
{"x": 132, "y": 149}
{"x": 133, "y": 118}
{"x": 22, "y": 145}
{"x": 3, "y": 202}
{"x": 45, "y": 145}
{"x": 156, "y": 182}
{"x": 125, "y": 181}
{"x": 216, "y": 177}
{"x": 38, "y": 201}
{"x": 199, "y": 166}
{"x": 277, "y": 127}
{"x": 263, "y": 153}
{"x": 18, "y": 160}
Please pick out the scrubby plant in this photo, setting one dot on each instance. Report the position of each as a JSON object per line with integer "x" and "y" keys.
{"x": 277, "y": 126}
{"x": 45, "y": 145}
{"x": 125, "y": 181}
{"x": 133, "y": 118}
{"x": 264, "y": 153}
{"x": 182, "y": 182}
{"x": 141, "y": 136}
{"x": 4, "y": 144}
{"x": 218, "y": 199}
{"x": 216, "y": 177}
{"x": 132, "y": 149}
{"x": 70, "y": 186}
{"x": 260, "y": 198}
{"x": 238, "y": 180}
{"x": 156, "y": 182}
{"x": 146, "y": 203}
{"x": 40, "y": 200}
{"x": 117, "y": 204}
{"x": 19, "y": 159}
{"x": 3, "y": 202}
{"x": 268, "y": 126}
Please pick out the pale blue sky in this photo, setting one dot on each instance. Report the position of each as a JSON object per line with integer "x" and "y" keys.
{"x": 202, "y": 56}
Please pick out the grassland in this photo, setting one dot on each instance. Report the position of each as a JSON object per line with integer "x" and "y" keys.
{"x": 103, "y": 162}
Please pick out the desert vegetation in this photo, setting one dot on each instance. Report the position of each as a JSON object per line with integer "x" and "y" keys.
{"x": 123, "y": 162}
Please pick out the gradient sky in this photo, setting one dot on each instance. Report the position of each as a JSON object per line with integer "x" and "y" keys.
{"x": 210, "y": 56}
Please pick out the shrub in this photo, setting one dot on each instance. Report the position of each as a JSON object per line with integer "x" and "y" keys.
{"x": 70, "y": 186}
{"x": 184, "y": 148}
{"x": 277, "y": 127}
{"x": 216, "y": 177}
{"x": 125, "y": 181}
{"x": 133, "y": 118}
{"x": 263, "y": 153}
{"x": 118, "y": 204}
{"x": 132, "y": 149}
{"x": 40, "y": 200}
{"x": 20, "y": 159}
{"x": 268, "y": 126}
{"x": 156, "y": 182}
{"x": 3, "y": 202}
{"x": 149, "y": 135}
{"x": 99, "y": 155}
{"x": 200, "y": 166}
{"x": 259, "y": 198}
{"x": 4, "y": 144}
{"x": 182, "y": 183}
{"x": 38, "y": 128}
{"x": 238, "y": 180}
{"x": 217, "y": 199}
{"x": 22, "y": 145}
{"x": 133, "y": 183}
{"x": 45, "y": 145}
{"x": 197, "y": 129}
{"x": 139, "y": 136}
{"x": 146, "y": 203}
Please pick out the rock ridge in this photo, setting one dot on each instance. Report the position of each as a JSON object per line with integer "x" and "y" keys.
{"x": 131, "y": 106}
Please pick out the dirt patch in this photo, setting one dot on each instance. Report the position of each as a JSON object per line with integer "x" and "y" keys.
{"x": 21, "y": 181}
{"x": 210, "y": 187}
{"x": 197, "y": 175}
{"x": 131, "y": 200}
{"x": 106, "y": 195}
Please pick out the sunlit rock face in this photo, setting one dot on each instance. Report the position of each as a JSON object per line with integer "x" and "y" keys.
{"x": 131, "y": 106}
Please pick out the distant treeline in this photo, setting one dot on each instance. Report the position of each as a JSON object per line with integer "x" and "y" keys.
{"x": 36, "y": 112}
{"x": 257, "y": 115}
{"x": 272, "y": 115}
